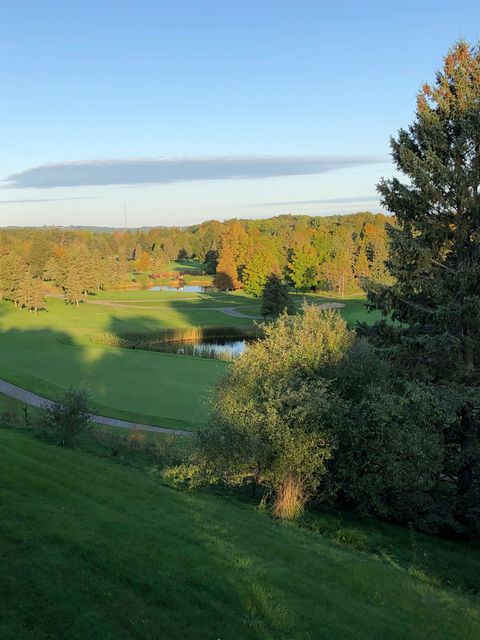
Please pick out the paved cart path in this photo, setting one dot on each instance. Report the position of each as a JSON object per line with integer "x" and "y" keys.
{"x": 35, "y": 400}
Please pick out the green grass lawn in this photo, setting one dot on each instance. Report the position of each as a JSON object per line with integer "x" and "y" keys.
{"x": 95, "y": 550}
{"x": 11, "y": 410}
{"x": 52, "y": 351}
{"x": 186, "y": 264}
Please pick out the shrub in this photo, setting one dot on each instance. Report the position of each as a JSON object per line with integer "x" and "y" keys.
{"x": 269, "y": 417}
{"x": 9, "y": 416}
{"x": 405, "y": 451}
{"x": 65, "y": 419}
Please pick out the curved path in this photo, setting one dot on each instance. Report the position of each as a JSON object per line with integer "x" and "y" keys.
{"x": 35, "y": 400}
{"x": 233, "y": 311}
{"x": 229, "y": 311}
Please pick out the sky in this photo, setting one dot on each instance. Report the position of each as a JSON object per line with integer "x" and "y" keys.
{"x": 180, "y": 111}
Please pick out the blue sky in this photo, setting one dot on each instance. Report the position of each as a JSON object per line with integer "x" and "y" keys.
{"x": 192, "y": 110}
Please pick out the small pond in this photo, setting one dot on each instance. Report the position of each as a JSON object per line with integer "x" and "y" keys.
{"x": 188, "y": 288}
{"x": 218, "y": 349}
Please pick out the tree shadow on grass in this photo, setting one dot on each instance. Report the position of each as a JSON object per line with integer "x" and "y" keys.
{"x": 173, "y": 389}
{"x": 92, "y": 546}
{"x": 154, "y": 388}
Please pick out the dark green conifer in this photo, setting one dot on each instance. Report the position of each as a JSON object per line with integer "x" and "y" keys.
{"x": 435, "y": 246}
{"x": 275, "y": 297}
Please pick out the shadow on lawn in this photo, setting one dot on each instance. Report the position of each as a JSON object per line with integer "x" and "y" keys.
{"x": 142, "y": 386}
{"x": 49, "y": 361}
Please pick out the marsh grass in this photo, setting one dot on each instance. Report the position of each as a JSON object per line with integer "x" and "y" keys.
{"x": 155, "y": 341}
{"x": 289, "y": 500}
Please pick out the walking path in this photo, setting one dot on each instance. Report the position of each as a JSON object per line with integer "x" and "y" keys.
{"x": 232, "y": 311}
{"x": 35, "y": 400}
{"x": 229, "y": 311}
{"x": 330, "y": 305}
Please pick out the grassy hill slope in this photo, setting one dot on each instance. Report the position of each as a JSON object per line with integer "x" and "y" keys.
{"x": 92, "y": 549}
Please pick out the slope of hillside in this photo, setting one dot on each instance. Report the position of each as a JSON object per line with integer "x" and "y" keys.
{"x": 91, "y": 549}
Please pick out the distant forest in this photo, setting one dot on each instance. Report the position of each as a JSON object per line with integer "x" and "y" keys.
{"x": 308, "y": 252}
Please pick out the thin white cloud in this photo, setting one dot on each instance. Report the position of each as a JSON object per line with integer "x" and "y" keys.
{"x": 49, "y": 199}
{"x": 168, "y": 170}
{"x": 342, "y": 200}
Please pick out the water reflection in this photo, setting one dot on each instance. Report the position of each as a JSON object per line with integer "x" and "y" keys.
{"x": 217, "y": 349}
{"x": 189, "y": 288}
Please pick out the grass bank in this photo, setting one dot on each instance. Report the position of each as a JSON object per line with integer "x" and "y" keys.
{"x": 91, "y": 549}
{"x": 153, "y": 340}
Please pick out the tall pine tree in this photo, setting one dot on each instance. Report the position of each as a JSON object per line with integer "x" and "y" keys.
{"x": 435, "y": 247}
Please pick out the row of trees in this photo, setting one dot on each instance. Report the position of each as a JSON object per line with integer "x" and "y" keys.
{"x": 18, "y": 285}
{"x": 331, "y": 253}
{"x": 385, "y": 419}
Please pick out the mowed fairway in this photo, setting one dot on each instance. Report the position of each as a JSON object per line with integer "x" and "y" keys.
{"x": 48, "y": 353}
{"x": 52, "y": 351}
{"x": 92, "y": 549}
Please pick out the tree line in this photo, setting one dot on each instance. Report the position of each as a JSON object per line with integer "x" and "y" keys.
{"x": 306, "y": 252}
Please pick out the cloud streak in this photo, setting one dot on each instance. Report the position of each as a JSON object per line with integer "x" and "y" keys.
{"x": 169, "y": 170}
{"x": 49, "y": 199}
{"x": 343, "y": 200}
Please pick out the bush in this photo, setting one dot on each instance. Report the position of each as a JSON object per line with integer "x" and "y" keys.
{"x": 64, "y": 420}
{"x": 10, "y": 416}
{"x": 269, "y": 418}
{"x": 406, "y": 451}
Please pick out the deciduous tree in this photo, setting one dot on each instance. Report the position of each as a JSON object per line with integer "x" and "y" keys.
{"x": 271, "y": 411}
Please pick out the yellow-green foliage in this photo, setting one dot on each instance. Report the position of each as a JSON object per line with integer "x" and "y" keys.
{"x": 270, "y": 410}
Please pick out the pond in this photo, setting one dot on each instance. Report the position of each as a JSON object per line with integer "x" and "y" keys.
{"x": 217, "y": 349}
{"x": 188, "y": 288}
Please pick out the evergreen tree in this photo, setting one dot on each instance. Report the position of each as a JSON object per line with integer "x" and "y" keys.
{"x": 24, "y": 290}
{"x": 12, "y": 272}
{"x": 74, "y": 286}
{"x": 211, "y": 262}
{"x": 38, "y": 254}
{"x": 117, "y": 272}
{"x": 159, "y": 260}
{"x": 435, "y": 247}
{"x": 55, "y": 271}
{"x": 37, "y": 295}
{"x": 275, "y": 297}
{"x": 435, "y": 261}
